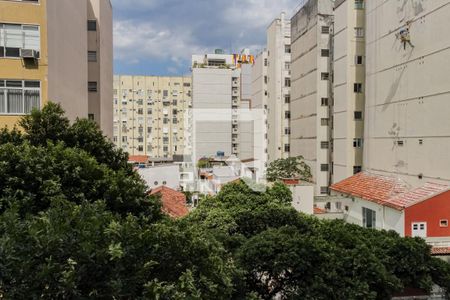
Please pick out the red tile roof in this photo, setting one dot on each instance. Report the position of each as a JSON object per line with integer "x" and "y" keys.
{"x": 173, "y": 202}
{"x": 387, "y": 191}
{"x": 440, "y": 251}
{"x": 371, "y": 187}
{"x": 319, "y": 211}
{"x": 429, "y": 190}
{"x": 141, "y": 159}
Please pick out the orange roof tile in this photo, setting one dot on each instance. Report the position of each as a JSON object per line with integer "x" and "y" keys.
{"x": 440, "y": 251}
{"x": 141, "y": 159}
{"x": 173, "y": 202}
{"x": 371, "y": 187}
{"x": 429, "y": 190}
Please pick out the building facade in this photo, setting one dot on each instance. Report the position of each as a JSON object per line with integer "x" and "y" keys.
{"x": 60, "y": 51}
{"x": 348, "y": 69}
{"x": 278, "y": 82}
{"x": 407, "y": 90}
{"x": 259, "y": 103}
{"x": 151, "y": 115}
{"x": 311, "y": 89}
{"x": 221, "y": 94}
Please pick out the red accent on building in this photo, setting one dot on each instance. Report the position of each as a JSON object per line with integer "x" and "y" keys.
{"x": 431, "y": 211}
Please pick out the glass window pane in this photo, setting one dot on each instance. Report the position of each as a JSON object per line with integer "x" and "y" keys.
{"x": 14, "y": 37}
{"x": 32, "y": 100}
{"x": 15, "y": 101}
{"x": 2, "y": 101}
{"x": 32, "y": 84}
{"x": 2, "y": 36}
{"x": 31, "y": 37}
{"x": 13, "y": 83}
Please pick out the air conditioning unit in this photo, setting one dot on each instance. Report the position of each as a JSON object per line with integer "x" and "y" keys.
{"x": 28, "y": 54}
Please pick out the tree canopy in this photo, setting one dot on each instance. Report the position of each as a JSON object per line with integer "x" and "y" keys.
{"x": 289, "y": 168}
{"x": 76, "y": 222}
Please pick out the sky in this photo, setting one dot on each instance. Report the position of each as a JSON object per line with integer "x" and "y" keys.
{"x": 158, "y": 37}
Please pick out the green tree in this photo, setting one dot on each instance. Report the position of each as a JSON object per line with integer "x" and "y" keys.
{"x": 289, "y": 168}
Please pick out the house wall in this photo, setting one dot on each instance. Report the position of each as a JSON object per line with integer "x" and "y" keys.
{"x": 169, "y": 174}
{"x": 430, "y": 211}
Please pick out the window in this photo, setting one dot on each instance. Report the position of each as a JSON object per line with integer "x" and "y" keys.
{"x": 140, "y": 111}
{"x": 324, "y": 190}
{"x": 92, "y": 25}
{"x": 287, "y": 99}
{"x": 358, "y": 115}
{"x": 287, "y": 65}
{"x": 266, "y": 79}
{"x": 186, "y": 84}
{"x": 443, "y": 223}
{"x": 357, "y": 143}
{"x": 325, "y": 76}
{"x": 92, "y": 86}
{"x": 165, "y": 148}
{"x": 325, "y": 29}
{"x": 287, "y": 114}
{"x": 359, "y": 32}
{"x": 325, "y": 52}
{"x": 265, "y": 62}
{"x": 287, "y": 82}
{"x": 419, "y": 229}
{"x": 324, "y": 145}
{"x": 287, "y": 48}
{"x": 14, "y": 37}
{"x": 91, "y": 117}
{"x": 287, "y": 148}
{"x": 165, "y": 93}
{"x": 174, "y": 102}
{"x": 19, "y": 97}
{"x": 400, "y": 143}
{"x": 357, "y": 88}
{"x": 369, "y": 218}
{"x": 140, "y": 139}
{"x": 124, "y": 139}
{"x": 324, "y": 167}
{"x": 324, "y": 121}
{"x": 357, "y": 169}
{"x": 92, "y": 56}
{"x": 359, "y": 60}
{"x": 359, "y": 4}
{"x": 324, "y": 101}
{"x": 287, "y": 130}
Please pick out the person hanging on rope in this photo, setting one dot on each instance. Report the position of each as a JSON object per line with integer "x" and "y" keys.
{"x": 404, "y": 36}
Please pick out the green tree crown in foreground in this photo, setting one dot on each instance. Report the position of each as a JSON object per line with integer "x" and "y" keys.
{"x": 76, "y": 223}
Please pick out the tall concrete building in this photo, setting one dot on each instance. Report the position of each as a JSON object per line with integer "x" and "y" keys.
{"x": 348, "y": 69}
{"x": 57, "y": 50}
{"x": 151, "y": 115}
{"x": 221, "y": 89}
{"x": 259, "y": 103}
{"x": 311, "y": 89}
{"x": 278, "y": 88}
{"x": 407, "y": 121}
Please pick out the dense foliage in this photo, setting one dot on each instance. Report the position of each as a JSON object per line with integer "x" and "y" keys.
{"x": 76, "y": 223}
{"x": 289, "y": 168}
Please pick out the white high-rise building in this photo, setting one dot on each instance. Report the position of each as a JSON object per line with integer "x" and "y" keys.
{"x": 407, "y": 124}
{"x": 311, "y": 89}
{"x": 221, "y": 88}
{"x": 278, "y": 82}
{"x": 348, "y": 62}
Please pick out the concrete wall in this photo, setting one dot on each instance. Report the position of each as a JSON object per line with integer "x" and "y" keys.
{"x": 212, "y": 111}
{"x": 303, "y": 198}
{"x": 156, "y": 176}
{"x": 346, "y": 72}
{"x": 278, "y": 36}
{"x": 407, "y": 91}
{"x": 67, "y": 56}
{"x": 100, "y": 104}
{"x": 307, "y": 90}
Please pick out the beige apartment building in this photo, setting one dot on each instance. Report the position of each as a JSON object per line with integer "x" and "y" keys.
{"x": 56, "y": 50}
{"x": 407, "y": 124}
{"x": 311, "y": 89}
{"x": 348, "y": 65}
{"x": 151, "y": 115}
{"x": 278, "y": 82}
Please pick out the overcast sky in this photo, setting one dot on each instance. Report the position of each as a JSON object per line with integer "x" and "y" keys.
{"x": 158, "y": 37}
